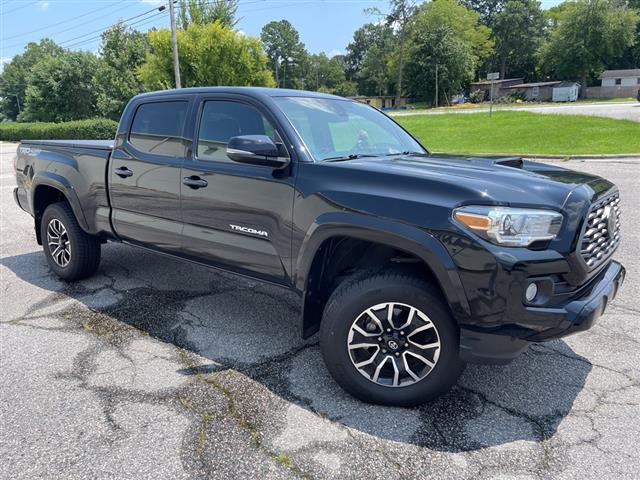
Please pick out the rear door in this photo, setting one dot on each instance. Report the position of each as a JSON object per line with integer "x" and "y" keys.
{"x": 144, "y": 176}
{"x": 239, "y": 217}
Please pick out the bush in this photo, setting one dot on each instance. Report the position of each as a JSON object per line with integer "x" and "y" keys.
{"x": 94, "y": 129}
{"x": 477, "y": 96}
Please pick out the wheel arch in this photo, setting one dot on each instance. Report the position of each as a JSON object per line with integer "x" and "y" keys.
{"x": 380, "y": 234}
{"x": 49, "y": 188}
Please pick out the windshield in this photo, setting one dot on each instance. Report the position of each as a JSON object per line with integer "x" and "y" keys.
{"x": 334, "y": 129}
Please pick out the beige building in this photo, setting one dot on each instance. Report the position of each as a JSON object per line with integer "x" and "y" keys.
{"x": 617, "y": 84}
{"x": 382, "y": 102}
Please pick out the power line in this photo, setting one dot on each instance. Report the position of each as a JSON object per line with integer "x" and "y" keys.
{"x": 19, "y": 8}
{"x": 160, "y": 9}
{"x": 141, "y": 22}
{"x": 66, "y": 21}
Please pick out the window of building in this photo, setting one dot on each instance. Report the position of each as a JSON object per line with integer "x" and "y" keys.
{"x": 157, "y": 128}
{"x": 222, "y": 120}
{"x": 618, "y": 81}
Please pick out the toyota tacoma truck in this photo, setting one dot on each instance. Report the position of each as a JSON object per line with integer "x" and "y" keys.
{"x": 408, "y": 264}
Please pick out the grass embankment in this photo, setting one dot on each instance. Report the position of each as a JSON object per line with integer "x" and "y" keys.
{"x": 524, "y": 133}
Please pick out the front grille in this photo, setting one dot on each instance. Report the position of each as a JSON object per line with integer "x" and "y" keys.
{"x": 602, "y": 232}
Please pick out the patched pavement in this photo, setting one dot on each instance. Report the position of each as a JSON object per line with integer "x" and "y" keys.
{"x": 156, "y": 368}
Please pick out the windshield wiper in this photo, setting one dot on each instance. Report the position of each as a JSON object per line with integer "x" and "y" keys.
{"x": 353, "y": 156}
{"x": 410, "y": 153}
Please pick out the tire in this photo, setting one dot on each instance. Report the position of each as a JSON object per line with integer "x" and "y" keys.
{"x": 59, "y": 225}
{"x": 379, "y": 292}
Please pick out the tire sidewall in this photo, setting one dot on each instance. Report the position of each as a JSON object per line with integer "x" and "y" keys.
{"x": 56, "y": 212}
{"x": 337, "y": 323}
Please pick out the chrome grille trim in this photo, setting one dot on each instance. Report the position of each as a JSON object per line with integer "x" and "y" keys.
{"x": 602, "y": 231}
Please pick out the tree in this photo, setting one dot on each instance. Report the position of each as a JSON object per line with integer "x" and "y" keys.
{"x": 590, "y": 34}
{"x": 287, "y": 55}
{"x": 324, "y": 72}
{"x": 446, "y": 38}
{"x": 368, "y": 58}
{"x": 518, "y": 33}
{"x": 210, "y": 54}
{"x": 15, "y": 76}
{"x": 399, "y": 16}
{"x": 207, "y": 11}
{"x": 488, "y": 9}
{"x": 60, "y": 88}
{"x": 122, "y": 51}
{"x": 439, "y": 57}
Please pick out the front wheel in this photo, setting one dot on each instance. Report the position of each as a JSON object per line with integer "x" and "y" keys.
{"x": 71, "y": 253}
{"x": 388, "y": 338}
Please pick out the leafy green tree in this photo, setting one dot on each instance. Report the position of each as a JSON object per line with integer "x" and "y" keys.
{"x": 518, "y": 31}
{"x": 464, "y": 24}
{"x": 324, "y": 72}
{"x": 488, "y": 9}
{"x": 122, "y": 51}
{"x": 207, "y": 11}
{"x": 589, "y": 36}
{"x": 445, "y": 39}
{"x": 60, "y": 88}
{"x": 287, "y": 54}
{"x": 15, "y": 76}
{"x": 368, "y": 59}
{"x": 439, "y": 57}
{"x": 400, "y": 16}
{"x": 210, "y": 54}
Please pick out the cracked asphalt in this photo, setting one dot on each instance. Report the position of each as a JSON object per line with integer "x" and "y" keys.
{"x": 156, "y": 368}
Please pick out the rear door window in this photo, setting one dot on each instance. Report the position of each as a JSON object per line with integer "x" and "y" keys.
{"x": 158, "y": 127}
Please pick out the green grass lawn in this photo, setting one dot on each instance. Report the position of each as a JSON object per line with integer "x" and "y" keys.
{"x": 524, "y": 133}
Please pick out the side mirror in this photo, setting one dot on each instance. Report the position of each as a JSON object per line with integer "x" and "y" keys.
{"x": 255, "y": 150}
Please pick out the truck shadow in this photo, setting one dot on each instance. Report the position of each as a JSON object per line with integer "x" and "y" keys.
{"x": 235, "y": 323}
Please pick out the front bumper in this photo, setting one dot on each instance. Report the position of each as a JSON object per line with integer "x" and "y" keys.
{"x": 503, "y": 344}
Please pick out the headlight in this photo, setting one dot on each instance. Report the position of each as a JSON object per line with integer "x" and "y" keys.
{"x": 511, "y": 227}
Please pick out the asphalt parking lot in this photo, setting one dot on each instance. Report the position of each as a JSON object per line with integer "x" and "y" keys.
{"x": 156, "y": 368}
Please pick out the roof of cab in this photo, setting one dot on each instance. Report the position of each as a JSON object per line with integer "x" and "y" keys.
{"x": 249, "y": 91}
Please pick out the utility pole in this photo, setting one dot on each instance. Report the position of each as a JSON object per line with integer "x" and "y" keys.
{"x": 436, "y": 85}
{"x": 174, "y": 44}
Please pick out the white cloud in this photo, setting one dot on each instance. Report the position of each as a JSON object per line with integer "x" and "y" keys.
{"x": 43, "y": 5}
{"x": 4, "y": 61}
{"x": 334, "y": 52}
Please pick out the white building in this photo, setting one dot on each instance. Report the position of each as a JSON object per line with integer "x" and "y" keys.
{"x": 566, "y": 92}
{"x": 621, "y": 78}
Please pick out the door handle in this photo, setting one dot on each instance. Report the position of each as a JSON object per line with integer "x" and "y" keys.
{"x": 194, "y": 182}
{"x": 123, "y": 172}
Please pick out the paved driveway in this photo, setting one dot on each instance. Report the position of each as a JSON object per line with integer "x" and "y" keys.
{"x": 625, "y": 111}
{"x": 160, "y": 369}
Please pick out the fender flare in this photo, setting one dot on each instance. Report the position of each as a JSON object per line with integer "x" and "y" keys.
{"x": 63, "y": 185}
{"x": 398, "y": 235}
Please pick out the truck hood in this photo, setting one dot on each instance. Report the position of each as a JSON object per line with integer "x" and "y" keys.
{"x": 503, "y": 180}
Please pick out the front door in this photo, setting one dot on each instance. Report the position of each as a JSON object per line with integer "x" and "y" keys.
{"x": 236, "y": 216}
{"x": 144, "y": 176}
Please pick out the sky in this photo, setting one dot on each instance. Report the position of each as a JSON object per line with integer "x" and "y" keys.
{"x": 324, "y": 25}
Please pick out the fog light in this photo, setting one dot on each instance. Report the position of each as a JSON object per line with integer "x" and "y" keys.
{"x": 531, "y": 292}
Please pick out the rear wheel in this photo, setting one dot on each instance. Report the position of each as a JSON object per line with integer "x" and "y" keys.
{"x": 71, "y": 253}
{"x": 389, "y": 338}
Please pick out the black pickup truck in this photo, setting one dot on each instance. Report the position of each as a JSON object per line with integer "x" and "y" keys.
{"x": 409, "y": 264}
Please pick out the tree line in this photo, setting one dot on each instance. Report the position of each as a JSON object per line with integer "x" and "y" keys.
{"x": 408, "y": 50}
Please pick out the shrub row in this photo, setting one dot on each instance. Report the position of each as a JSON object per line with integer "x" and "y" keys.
{"x": 93, "y": 129}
